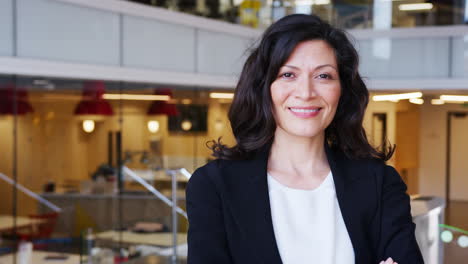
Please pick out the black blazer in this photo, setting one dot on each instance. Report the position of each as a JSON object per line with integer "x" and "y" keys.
{"x": 230, "y": 219}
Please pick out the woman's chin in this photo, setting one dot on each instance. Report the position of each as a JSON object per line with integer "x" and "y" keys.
{"x": 305, "y": 133}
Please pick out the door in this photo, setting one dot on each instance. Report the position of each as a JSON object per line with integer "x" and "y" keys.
{"x": 458, "y": 177}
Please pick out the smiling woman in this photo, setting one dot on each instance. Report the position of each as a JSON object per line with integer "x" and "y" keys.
{"x": 302, "y": 184}
{"x": 251, "y": 114}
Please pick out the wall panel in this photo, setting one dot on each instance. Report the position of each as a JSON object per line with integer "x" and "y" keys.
{"x": 219, "y": 53}
{"x": 6, "y": 28}
{"x": 152, "y": 44}
{"x": 460, "y": 57}
{"x": 404, "y": 58}
{"x": 59, "y": 31}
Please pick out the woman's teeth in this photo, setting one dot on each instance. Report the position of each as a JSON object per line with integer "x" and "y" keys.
{"x": 301, "y": 110}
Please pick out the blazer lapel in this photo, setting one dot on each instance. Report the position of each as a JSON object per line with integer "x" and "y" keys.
{"x": 250, "y": 204}
{"x": 346, "y": 174}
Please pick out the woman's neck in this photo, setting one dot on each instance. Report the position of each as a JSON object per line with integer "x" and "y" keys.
{"x": 298, "y": 155}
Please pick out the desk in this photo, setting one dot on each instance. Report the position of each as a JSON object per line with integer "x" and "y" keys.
{"x": 155, "y": 239}
{"x": 6, "y": 222}
{"x": 38, "y": 257}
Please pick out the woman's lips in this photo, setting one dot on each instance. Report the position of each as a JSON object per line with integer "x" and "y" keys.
{"x": 305, "y": 112}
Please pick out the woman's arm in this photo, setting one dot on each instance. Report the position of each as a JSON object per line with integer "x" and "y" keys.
{"x": 207, "y": 243}
{"x": 397, "y": 238}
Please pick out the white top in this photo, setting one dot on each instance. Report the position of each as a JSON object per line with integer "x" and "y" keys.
{"x": 308, "y": 224}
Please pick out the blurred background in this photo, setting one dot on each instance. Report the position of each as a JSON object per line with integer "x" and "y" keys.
{"x": 106, "y": 108}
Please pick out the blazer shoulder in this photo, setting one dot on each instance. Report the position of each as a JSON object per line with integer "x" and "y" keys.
{"x": 381, "y": 170}
{"x": 210, "y": 172}
{"x": 342, "y": 159}
{"x": 365, "y": 167}
{"x": 380, "y": 167}
{"x": 205, "y": 173}
{"x": 377, "y": 164}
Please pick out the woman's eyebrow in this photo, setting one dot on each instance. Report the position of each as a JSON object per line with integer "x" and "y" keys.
{"x": 316, "y": 68}
{"x": 325, "y": 65}
{"x": 291, "y": 66}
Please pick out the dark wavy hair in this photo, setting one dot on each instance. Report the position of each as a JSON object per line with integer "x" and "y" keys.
{"x": 251, "y": 115}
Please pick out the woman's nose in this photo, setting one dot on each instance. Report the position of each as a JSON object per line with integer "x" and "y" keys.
{"x": 305, "y": 89}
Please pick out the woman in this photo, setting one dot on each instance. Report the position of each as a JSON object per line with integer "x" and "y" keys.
{"x": 302, "y": 184}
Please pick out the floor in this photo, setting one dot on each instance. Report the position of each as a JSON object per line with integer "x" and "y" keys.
{"x": 456, "y": 215}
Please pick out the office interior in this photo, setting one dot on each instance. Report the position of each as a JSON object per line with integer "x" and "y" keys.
{"x": 107, "y": 107}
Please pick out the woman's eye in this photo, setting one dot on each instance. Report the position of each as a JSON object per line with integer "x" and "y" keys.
{"x": 324, "y": 76}
{"x": 287, "y": 75}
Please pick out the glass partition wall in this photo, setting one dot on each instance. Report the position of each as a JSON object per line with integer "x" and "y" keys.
{"x": 8, "y": 165}
{"x": 377, "y": 14}
{"x": 87, "y": 166}
{"x": 92, "y": 161}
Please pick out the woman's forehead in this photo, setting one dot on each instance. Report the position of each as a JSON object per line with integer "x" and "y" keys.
{"x": 312, "y": 53}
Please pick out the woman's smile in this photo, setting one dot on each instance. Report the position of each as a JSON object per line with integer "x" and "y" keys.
{"x": 305, "y": 112}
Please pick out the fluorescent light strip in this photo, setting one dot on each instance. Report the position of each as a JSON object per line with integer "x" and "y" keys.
{"x": 311, "y": 2}
{"x": 322, "y": 2}
{"x": 142, "y": 97}
{"x": 396, "y": 97}
{"x": 437, "y": 102}
{"x": 454, "y": 98}
{"x": 304, "y": 2}
{"x": 418, "y": 101}
{"x": 415, "y": 7}
{"x": 221, "y": 95}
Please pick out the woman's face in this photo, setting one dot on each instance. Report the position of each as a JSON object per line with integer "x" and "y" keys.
{"x": 306, "y": 91}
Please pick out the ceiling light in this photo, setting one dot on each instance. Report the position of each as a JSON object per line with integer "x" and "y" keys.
{"x": 396, "y": 97}
{"x": 418, "y": 101}
{"x": 142, "y": 97}
{"x": 88, "y": 126}
{"x": 222, "y": 95}
{"x": 437, "y": 102}
{"x": 311, "y": 2}
{"x": 304, "y": 2}
{"x": 322, "y": 2}
{"x": 153, "y": 126}
{"x": 186, "y": 101}
{"x": 415, "y": 7}
{"x": 454, "y": 98}
{"x": 186, "y": 125}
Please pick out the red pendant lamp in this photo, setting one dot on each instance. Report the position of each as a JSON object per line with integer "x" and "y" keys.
{"x": 162, "y": 107}
{"x": 93, "y": 102}
{"x": 8, "y": 100}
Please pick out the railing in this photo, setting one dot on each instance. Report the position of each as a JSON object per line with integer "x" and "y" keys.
{"x": 172, "y": 203}
{"x": 30, "y": 193}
